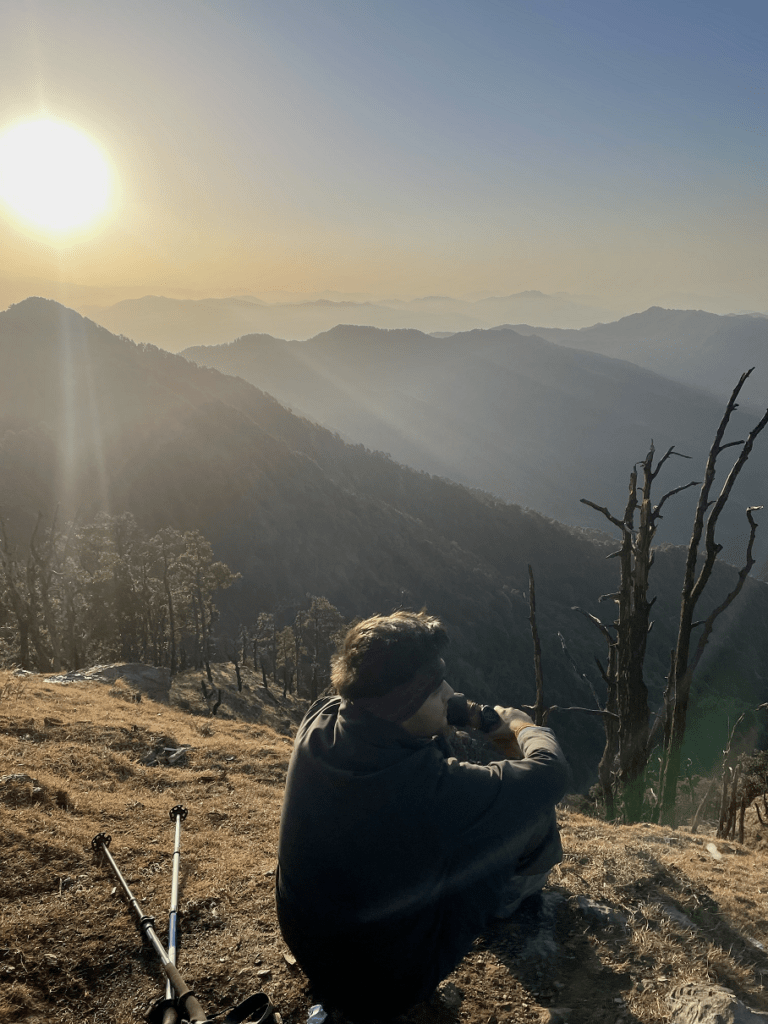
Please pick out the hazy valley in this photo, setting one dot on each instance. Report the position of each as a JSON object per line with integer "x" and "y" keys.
{"x": 529, "y": 420}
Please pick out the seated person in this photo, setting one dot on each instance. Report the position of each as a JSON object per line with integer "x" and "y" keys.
{"x": 393, "y": 857}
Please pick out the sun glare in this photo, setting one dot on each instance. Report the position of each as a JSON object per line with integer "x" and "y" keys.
{"x": 53, "y": 176}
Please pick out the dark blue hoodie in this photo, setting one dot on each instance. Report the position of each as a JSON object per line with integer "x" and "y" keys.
{"x": 392, "y": 857}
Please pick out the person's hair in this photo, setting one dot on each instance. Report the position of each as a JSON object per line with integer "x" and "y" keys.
{"x": 385, "y": 651}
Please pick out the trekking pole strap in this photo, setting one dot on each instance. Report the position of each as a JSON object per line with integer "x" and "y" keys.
{"x": 256, "y": 1009}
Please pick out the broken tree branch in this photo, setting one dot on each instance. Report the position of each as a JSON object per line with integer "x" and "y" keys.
{"x": 540, "y": 714}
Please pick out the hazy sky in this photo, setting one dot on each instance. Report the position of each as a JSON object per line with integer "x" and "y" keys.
{"x": 615, "y": 150}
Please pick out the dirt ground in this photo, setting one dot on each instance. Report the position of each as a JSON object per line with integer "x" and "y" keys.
{"x": 630, "y": 912}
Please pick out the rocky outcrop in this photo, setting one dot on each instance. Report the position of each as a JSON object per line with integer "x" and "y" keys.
{"x": 695, "y": 1003}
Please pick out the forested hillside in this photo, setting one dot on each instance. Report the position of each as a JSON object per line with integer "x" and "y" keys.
{"x": 92, "y": 422}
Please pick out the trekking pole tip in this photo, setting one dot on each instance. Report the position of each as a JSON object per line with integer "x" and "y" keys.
{"x": 100, "y": 841}
{"x": 178, "y": 812}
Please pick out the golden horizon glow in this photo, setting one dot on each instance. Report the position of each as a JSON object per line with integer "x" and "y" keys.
{"x": 52, "y": 176}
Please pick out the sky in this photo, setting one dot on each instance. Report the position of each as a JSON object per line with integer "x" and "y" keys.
{"x": 614, "y": 151}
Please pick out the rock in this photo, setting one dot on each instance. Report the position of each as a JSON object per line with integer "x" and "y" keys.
{"x": 696, "y": 1003}
{"x": 540, "y": 939}
{"x": 19, "y": 779}
{"x": 600, "y": 913}
{"x": 449, "y": 996}
{"x": 678, "y": 917}
{"x": 162, "y": 755}
{"x": 175, "y": 755}
{"x": 556, "y": 1015}
{"x": 19, "y": 789}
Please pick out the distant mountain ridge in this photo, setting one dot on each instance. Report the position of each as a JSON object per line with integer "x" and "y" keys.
{"x": 692, "y": 346}
{"x": 174, "y": 324}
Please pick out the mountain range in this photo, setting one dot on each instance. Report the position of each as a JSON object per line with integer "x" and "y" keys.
{"x": 174, "y": 324}
{"x": 689, "y": 345}
{"x": 527, "y": 419}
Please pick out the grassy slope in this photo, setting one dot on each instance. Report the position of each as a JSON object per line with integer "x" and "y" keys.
{"x": 69, "y": 950}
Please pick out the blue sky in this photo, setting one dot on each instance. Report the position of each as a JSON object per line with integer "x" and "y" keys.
{"x": 616, "y": 150}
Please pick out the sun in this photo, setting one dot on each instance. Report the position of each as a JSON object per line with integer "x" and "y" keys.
{"x": 53, "y": 176}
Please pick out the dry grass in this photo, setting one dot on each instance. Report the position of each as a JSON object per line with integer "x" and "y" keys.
{"x": 70, "y": 951}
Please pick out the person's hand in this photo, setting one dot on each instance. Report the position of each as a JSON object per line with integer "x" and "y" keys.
{"x": 512, "y": 721}
{"x": 505, "y": 734}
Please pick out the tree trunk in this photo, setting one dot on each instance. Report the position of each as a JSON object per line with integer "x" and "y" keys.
{"x": 313, "y": 683}
{"x": 171, "y": 619}
{"x": 682, "y": 665}
{"x": 539, "y": 712}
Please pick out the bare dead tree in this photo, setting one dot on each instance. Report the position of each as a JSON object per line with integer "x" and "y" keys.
{"x": 749, "y": 783}
{"x": 739, "y": 786}
{"x": 683, "y": 662}
{"x": 728, "y": 777}
{"x": 627, "y": 691}
{"x": 702, "y": 805}
{"x": 232, "y": 649}
{"x": 607, "y": 767}
{"x": 540, "y": 713}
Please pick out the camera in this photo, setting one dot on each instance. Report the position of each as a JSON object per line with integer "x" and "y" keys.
{"x": 462, "y": 711}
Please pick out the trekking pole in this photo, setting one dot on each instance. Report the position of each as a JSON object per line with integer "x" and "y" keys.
{"x": 177, "y": 814}
{"x": 191, "y": 1009}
